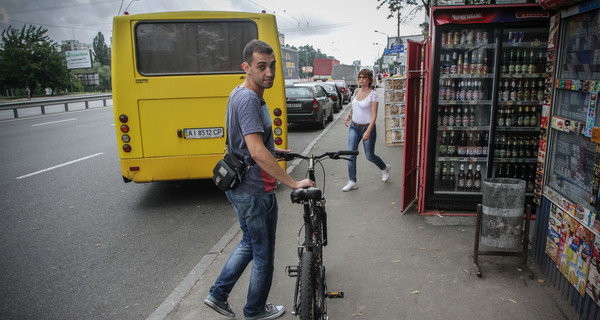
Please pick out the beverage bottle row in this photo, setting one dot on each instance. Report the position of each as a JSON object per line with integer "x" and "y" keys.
{"x": 517, "y": 116}
{"x": 462, "y": 90}
{"x": 518, "y": 171}
{"x": 522, "y": 90}
{"x": 464, "y": 37}
{"x": 506, "y": 146}
{"x": 463, "y": 181}
{"x": 462, "y": 117}
{"x": 475, "y": 62}
{"x": 523, "y": 62}
{"x": 467, "y": 143}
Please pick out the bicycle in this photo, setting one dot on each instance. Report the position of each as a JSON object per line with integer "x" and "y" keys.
{"x": 311, "y": 288}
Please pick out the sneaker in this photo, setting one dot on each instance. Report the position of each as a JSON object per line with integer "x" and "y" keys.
{"x": 270, "y": 312}
{"x": 222, "y": 307}
{"x": 351, "y": 185}
{"x": 385, "y": 173}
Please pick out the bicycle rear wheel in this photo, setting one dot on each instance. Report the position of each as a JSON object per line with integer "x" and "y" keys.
{"x": 307, "y": 287}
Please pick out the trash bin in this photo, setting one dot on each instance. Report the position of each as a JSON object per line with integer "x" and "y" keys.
{"x": 503, "y": 206}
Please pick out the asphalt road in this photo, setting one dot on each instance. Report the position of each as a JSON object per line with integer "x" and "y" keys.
{"x": 78, "y": 243}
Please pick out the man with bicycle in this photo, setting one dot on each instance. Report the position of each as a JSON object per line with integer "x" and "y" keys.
{"x": 250, "y": 134}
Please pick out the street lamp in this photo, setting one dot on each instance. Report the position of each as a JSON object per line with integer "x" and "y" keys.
{"x": 388, "y": 38}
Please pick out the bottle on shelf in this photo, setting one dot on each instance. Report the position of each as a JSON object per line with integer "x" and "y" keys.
{"x": 444, "y": 179}
{"x": 477, "y": 179}
{"x": 499, "y": 171}
{"x": 513, "y": 90}
{"x": 459, "y": 65}
{"x": 461, "y": 178}
{"x": 520, "y": 91}
{"x": 508, "y": 117}
{"x": 526, "y": 92}
{"x": 486, "y": 66}
{"x": 501, "y": 119}
{"x": 511, "y": 63}
{"x": 533, "y": 118}
{"x": 484, "y": 144}
{"x": 443, "y": 144}
{"x": 466, "y": 65}
{"x": 447, "y": 64}
{"x": 469, "y": 178}
{"x": 452, "y": 178}
{"x": 526, "y": 117}
{"x": 505, "y": 63}
{"x": 506, "y": 92}
{"x": 518, "y": 62}
{"x": 520, "y": 117}
{"x": 452, "y": 145}
{"x": 453, "y": 63}
{"x": 531, "y": 68}
{"x": 451, "y": 117}
{"x": 540, "y": 90}
{"x": 445, "y": 117}
{"x": 440, "y": 114}
{"x": 473, "y": 63}
{"x": 478, "y": 149}
{"x": 462, "y": 144}
{"x": 458, "y": 120}
{"x": 472, "y": 117}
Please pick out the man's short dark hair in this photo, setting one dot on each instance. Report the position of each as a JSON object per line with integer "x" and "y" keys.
{"x": 256, "y": 46}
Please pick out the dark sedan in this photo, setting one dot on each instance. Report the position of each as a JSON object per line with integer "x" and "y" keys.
{"x": 334, "y": 94}
{"x": 308, "y": 103}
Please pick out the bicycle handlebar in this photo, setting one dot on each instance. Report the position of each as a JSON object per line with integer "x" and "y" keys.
{"x": 331, "y": 154}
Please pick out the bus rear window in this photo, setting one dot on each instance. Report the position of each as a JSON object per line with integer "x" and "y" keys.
{"x": 183, "y": 48}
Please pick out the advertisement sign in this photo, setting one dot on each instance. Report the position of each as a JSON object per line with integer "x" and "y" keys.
{"x": 79, "y": 59}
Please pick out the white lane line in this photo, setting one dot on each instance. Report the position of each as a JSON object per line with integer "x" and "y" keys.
{"x": 52, "y": 122}
{"x": 58, "y": 166}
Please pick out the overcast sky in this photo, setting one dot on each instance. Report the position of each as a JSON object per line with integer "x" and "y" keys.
{"x": 340, "y": 28}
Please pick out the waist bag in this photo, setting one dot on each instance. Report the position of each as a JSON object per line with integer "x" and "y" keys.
{"x": 229, "y": 171}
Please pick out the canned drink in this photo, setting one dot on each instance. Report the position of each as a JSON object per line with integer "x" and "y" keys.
{"x": 510, "y": 37}
{"x": 456, "y": 38}
{"x": 444, "y": 39}
{"x": 485, "y": 37}
{"x": 520, "y": 36}
{"x": 478, "y": 37}
{"x": 470, "y": 36}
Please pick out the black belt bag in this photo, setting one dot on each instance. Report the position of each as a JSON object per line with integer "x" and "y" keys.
{"x": 229, "y": 171}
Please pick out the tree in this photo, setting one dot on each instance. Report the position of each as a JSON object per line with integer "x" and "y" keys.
{"x": 29, "y": 59}
{"x": 396, "y": 6}
{"x": 307, "y": 55}
{"x": 101, "y": 53}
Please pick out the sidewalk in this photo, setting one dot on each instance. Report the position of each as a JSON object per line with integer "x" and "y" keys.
{"x": 390, "y": 265}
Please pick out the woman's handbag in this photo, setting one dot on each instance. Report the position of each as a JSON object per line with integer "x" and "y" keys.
{"x": 229, "y": 171}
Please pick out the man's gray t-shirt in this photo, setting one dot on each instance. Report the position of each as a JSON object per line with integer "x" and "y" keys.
{"x": 247, "y": 113}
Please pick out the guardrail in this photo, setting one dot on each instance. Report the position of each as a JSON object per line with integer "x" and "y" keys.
{"x": 15, "y": 106}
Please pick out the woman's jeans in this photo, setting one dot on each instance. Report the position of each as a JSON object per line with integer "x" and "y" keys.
{"x": 257, "y": 215}
{"x": 355, "y": 135}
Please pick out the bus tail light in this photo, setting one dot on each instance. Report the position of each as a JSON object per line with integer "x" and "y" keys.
{"x": 123, "y": 118}
{"x": 277, "y": 112}
{"x": 277, "y": 121}
{"x": 126, "y": 148}
{"x": 278, "y": 131}
{"x": 124, "y": 128}
{"x": 134, "y": 168}
{"x": 278, "y": 141}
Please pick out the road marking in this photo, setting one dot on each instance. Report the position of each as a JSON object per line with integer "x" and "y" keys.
{"x": 52, "y": 122}
{"x": 58, "y": 166}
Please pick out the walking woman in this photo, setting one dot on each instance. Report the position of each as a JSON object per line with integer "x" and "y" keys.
{"x": 361, "y": 121}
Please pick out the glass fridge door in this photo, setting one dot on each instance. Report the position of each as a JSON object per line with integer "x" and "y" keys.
{"x": 466, "y": 76}
{"x": 520, "y": 98}
{"x": 571, "y": 168}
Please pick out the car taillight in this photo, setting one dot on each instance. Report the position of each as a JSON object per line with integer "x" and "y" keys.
{"x": 315, "y": 105}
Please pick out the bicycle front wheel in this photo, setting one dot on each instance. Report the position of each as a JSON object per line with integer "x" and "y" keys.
{"x": 307, "y": 287}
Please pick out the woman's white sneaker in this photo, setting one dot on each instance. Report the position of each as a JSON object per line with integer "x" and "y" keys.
{"x": 385, "y": 173}
{"x": 351, "y": 185}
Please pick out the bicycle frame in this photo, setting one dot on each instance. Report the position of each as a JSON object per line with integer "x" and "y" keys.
{"x": 311, "y": 283}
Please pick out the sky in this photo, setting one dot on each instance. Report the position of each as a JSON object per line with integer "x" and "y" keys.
{"x": 344, "y": 29}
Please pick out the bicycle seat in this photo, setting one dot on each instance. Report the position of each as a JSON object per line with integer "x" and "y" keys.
{"x": 300, "y": 195}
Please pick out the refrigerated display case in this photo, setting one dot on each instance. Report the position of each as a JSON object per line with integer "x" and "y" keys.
{"x": 487, "y": 64}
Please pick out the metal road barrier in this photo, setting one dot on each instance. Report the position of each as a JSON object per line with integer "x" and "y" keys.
{"x": 15, "y": 106}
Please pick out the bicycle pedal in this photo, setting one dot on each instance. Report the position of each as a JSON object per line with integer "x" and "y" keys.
{"x": 335, "y": 294}
{"x": 292, "y": 271}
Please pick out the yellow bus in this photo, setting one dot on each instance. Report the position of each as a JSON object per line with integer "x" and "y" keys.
{"x": 172, "y": 74}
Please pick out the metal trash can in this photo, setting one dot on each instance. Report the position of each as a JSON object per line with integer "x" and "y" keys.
{"x": 503, "y": 206}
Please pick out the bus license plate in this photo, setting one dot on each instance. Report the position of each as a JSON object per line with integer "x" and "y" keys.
{"x": 203, "y": 133}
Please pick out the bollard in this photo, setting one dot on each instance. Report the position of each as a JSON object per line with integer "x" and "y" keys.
{"x": 502, "y": 215}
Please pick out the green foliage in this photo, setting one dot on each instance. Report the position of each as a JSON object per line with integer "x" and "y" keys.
{"x": 306, "y": 56}
{"x": 101, "y": 52}
{"x": 395, "y": 6}
{"x": 28, "y": 58}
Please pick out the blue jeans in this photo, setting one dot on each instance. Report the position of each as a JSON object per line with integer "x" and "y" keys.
{"x": 355, "y": 135}
{"x": 257, "y": 215}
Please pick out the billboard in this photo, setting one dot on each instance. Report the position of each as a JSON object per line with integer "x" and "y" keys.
{"x": 79, "y": 59}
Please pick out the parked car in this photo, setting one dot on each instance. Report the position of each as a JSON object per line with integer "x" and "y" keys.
{"x": 334, "y": 95}
{"x": 308, "y": 102}
{"x": 343, "y": 87}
